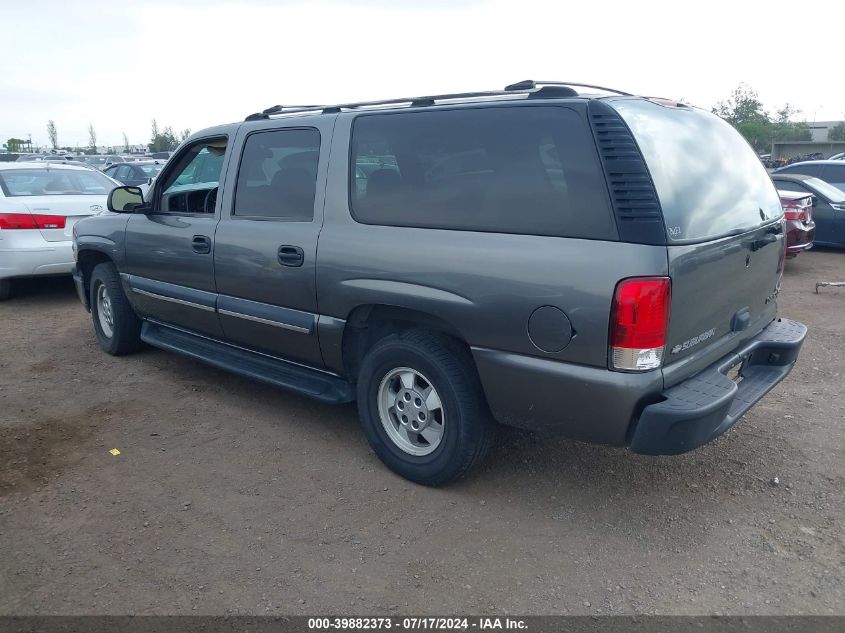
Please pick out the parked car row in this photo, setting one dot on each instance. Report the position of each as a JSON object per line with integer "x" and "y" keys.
{"x": 828, "y": 206}
{"x": 98, "y": 161}
{"x": 822, "y": 222}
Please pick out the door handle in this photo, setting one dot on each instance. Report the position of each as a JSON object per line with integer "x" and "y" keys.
{"x": 201, "y": 244}
{"x": 291, "y": 255}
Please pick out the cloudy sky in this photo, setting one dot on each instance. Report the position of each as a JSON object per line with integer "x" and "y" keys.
{"x": 194, "y": 63}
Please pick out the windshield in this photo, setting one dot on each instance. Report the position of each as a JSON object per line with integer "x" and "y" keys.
{"x": 709, "y": 181}
{"x": 53, "y": 182}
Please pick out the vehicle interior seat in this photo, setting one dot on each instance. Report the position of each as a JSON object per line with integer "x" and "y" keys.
{"x": 293, "y": 190}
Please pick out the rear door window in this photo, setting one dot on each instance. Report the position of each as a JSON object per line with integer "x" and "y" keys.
{"x": 529, "y": 169}
{"x": 277, "y": 177}
{"x": 709, "y": 181}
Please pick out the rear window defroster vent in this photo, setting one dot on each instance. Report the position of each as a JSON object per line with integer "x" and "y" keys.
{"x": 635, "y": 202}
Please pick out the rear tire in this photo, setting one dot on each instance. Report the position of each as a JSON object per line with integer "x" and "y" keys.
{"x": 116, "y": 326}
{"x": 422, "y": 407}
{"x": 5, "y": 289}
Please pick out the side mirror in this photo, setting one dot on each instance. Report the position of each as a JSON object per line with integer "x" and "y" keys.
{"x": 125, "y": 199}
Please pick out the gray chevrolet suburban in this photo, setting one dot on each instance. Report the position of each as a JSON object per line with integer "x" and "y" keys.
{"x": 552, "y": 256}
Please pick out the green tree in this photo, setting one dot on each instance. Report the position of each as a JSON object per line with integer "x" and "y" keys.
{"x": 52, "y": 134}
{"x": 837, "y": 132}
{"x": 15, "y": 144}
{"x": 745, "y": 112}
{"x": 162, "y": 141}
{"x": 92, "y": 138}
{"x": 783, "y": 129}
{"x": 125, "y": 143}
{"x": 184, "y": 134}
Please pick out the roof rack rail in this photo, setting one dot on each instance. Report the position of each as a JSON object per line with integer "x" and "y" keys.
{"x": 531, "y": 84}
{"x": 413, "y": 101}
{"x": 535, "y": 89}
{"x": 279, "y": 109}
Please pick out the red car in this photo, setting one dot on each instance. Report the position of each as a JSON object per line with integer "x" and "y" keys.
{"x": 800, "y": 227}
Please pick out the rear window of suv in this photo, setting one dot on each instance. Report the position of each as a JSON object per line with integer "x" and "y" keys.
{"x": 529, "y": 170}
{"x": 709, "y": 181}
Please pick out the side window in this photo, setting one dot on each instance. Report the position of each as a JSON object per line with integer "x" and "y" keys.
{"x": 808, "y": 170}
{"x": 834, "y": 174}
{"x": 190, "y": 186}
{"x": 123, "y": 172}
{"x": 110, "y": 171}
{"x": 277, "y": 177}
{"x": 527, "y": 169}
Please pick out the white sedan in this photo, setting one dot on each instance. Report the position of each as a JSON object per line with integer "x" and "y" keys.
{"x": 39, "y": 204}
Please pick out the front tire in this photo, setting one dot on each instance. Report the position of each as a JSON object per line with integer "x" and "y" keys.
{"x": 422, "y": 407}
{"x": 116, "y": 326}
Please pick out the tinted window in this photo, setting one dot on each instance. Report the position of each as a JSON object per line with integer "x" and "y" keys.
{"x": 526, "y": 169}
{"x": 834, "y": 174}
{"x": 789, "y": 185}
{"x": 53, "y": 182}
{"x": 798, "y": 168}
{"x": 709, "y": 181}
{"x": 277, "y": 177}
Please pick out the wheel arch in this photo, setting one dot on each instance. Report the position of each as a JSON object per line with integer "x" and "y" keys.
{"x": 86, "y": 260}
{"x": 367, "y": 324}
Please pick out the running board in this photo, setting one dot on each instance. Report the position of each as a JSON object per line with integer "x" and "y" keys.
{"x": 268, "y": 369}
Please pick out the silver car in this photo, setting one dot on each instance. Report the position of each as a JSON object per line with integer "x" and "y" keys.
{"x": 39, "y": 204}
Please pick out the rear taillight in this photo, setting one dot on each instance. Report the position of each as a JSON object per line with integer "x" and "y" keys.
{"x": 797, "y": 210}
{"x": 17, "y": 221}
{"x": 10, "y": 221}
{"x": 638, "y": 323}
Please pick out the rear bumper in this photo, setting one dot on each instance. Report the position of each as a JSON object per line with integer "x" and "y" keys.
{"x": 706, "y": 405}
{"x": 585, "y": 403}
{"x": 34, "y": 259}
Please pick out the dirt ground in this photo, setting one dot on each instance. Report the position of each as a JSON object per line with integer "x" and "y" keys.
{"x": 232, "y": 497}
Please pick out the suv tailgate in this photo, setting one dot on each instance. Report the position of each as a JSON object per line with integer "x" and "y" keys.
{"x": 724, "y": 231}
